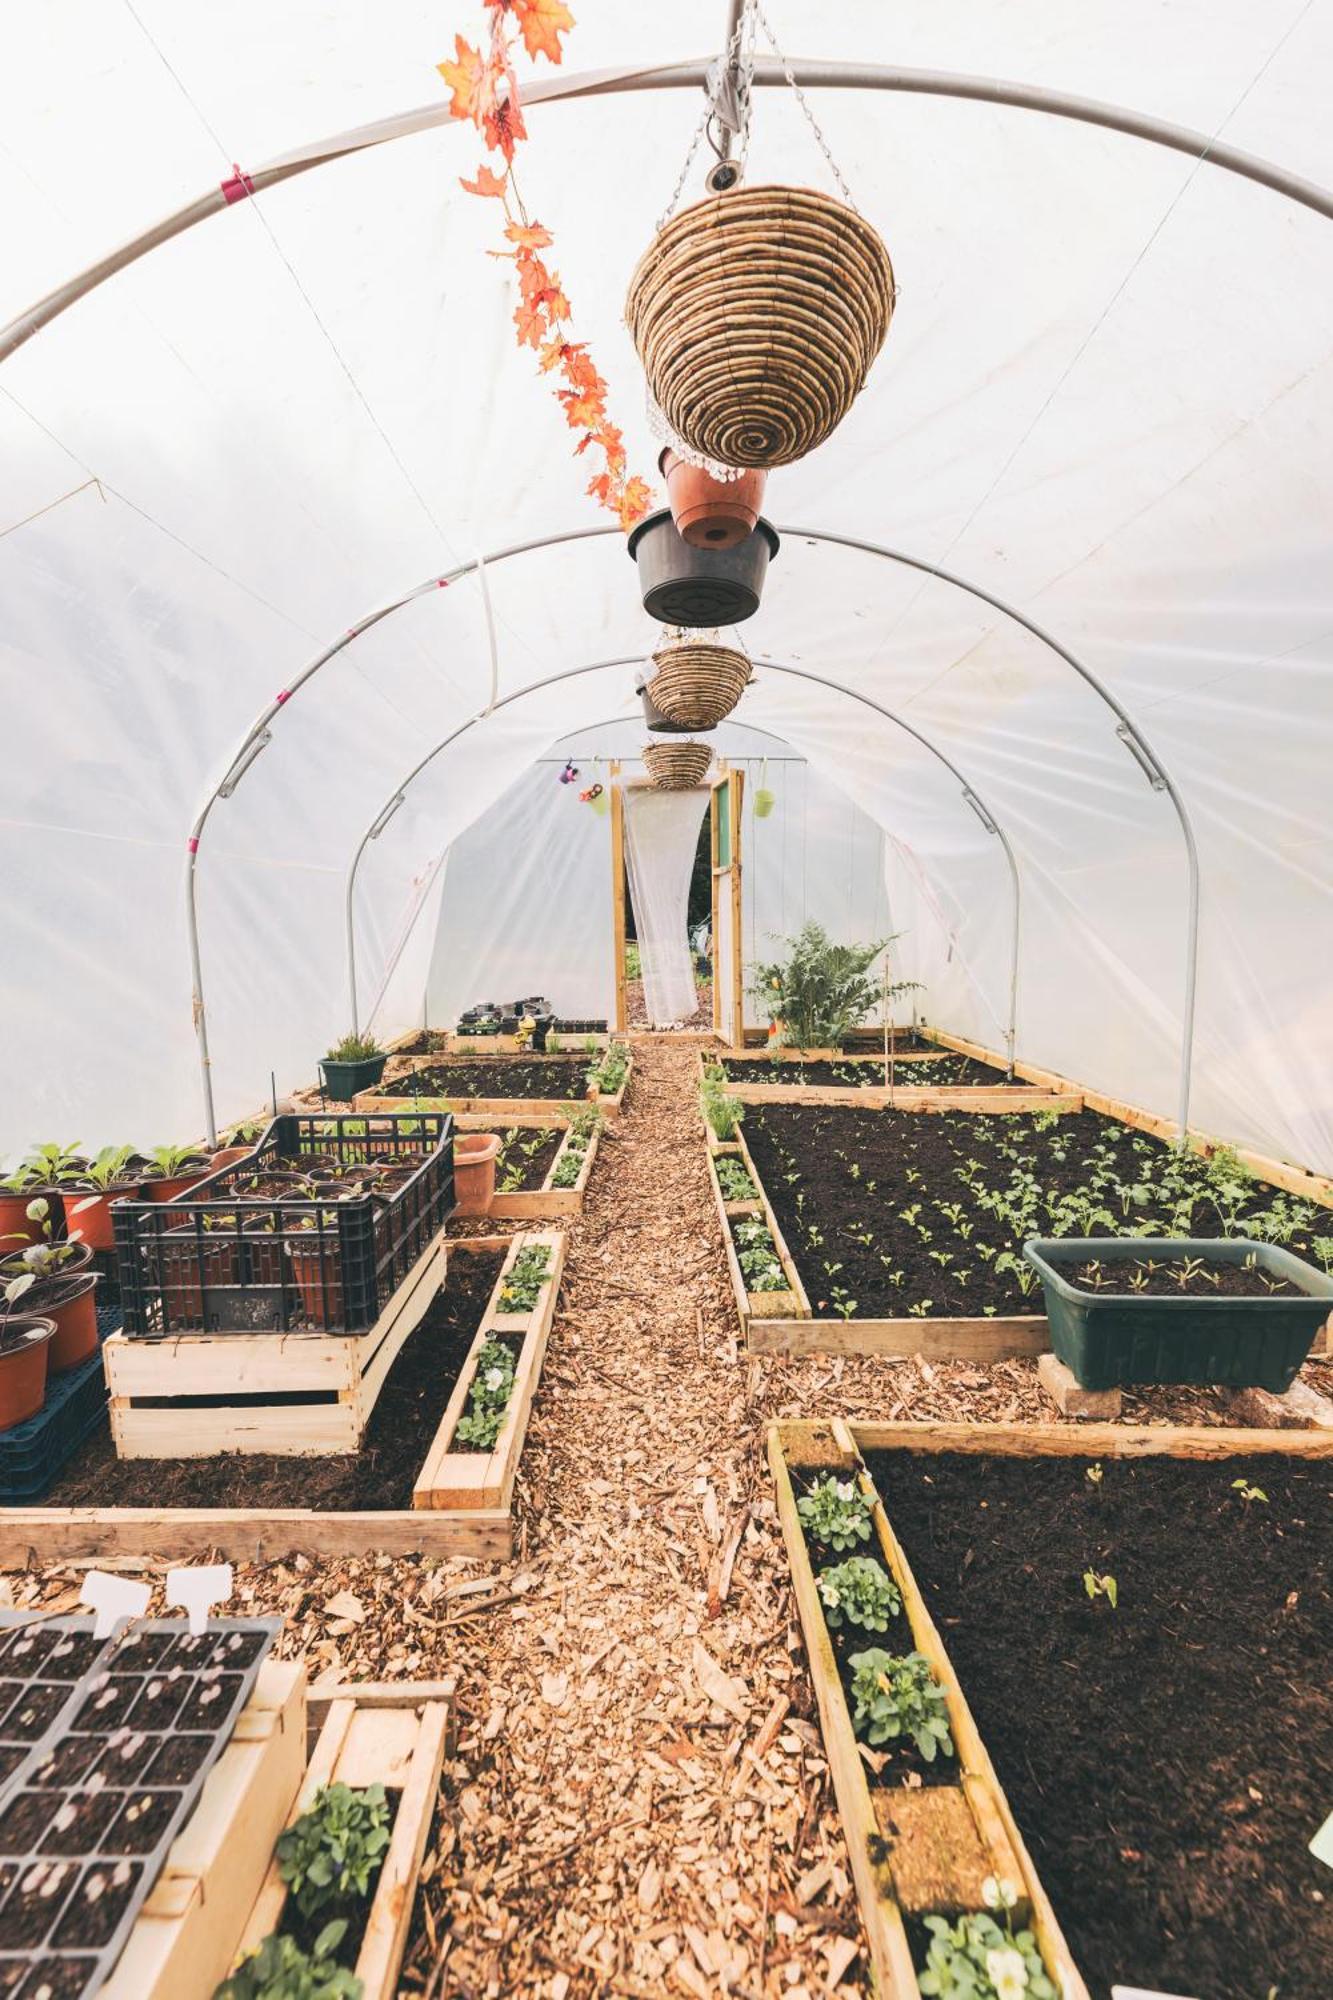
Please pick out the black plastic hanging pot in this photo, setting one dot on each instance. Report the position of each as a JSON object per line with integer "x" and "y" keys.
{"x": 697, "y": 588}
{"x": 653, "y": 716}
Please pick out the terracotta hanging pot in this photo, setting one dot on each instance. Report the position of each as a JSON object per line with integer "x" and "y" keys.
{"x": 757, "y": 315}
{"x": 475, "y": 1155}
{"x": 711, "y": 513}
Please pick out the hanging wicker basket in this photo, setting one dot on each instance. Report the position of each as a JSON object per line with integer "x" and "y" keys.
{"x": 697, "y": 684}
{"x": 757, "y": 314}
{"x": 674, "y": 767}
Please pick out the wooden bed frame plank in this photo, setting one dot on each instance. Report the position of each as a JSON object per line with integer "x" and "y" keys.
{"x": 37, "y": 1535}
{"x": 1092, "y": 1440}
{"x": 1019, "y": 1337}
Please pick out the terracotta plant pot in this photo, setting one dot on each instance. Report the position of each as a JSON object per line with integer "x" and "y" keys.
{"x": 711, "y": 513}
{"x": 475, "y": 1154}
{"x": 172, "y": 1188}
{"x": 189, "y": 1269}
{"x": 95, "y": 1224}
{"x": 23, "y": 1368}
{"x": 227, "y": 1156}
{"x": 15, "y": 1227}
{"x": 72, "y": 1304}
{"x": 319, "y": 1281}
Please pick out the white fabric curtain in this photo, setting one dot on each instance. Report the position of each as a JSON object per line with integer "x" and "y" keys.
{"x": 661, "y": 834}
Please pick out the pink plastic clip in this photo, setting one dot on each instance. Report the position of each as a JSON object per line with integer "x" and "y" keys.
{"x": 193, "y": 844}
{"x": 442, "y": 583}
{"x": 284, "y": 695}
{"x": 237, "y": 187}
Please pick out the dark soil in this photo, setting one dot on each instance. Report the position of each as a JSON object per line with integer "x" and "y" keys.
{"x": 67, "y": 1762}
{"x": 211, "y": 1699}
{"x": 31, "y": 1717}
{"x": 526, "y": 1156}
{"x": 379, "y": 1477}
{"x": 160, "y": 1701}
{"x": 889, "y": 1767}
{"x": 956, "y": 1071}
{"x": 93, "y": 1814}
{"x": 1173, "y": 1276}
{"x": 178, "y": 1759}
{"x": 145, "y": 1816}
{"x": 61, "y": 1978}
{"x": 95, "y": 1908}
{"x": 35, "y": 1902}
{"x": 563, "y": 1077}
{"x": 844, "y": 1184}
{"x": 1168, "y": 1762}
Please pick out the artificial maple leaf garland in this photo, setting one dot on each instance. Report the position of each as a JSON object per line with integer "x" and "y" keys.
{"x": 485, "y": 91}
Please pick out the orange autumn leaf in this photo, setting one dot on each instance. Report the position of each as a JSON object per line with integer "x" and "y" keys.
{"x": 502, "y": 119}
{"x": 541, "y": 23}
{"x": 578, "y": 369}
{"x": 584, "y": 409}
{"x": 486, "y": 183}
{"x": 552, "y": 355}
{"x": 464, "y": 77}
{"x": 530, "y": 322}
{"x": 529, "y": 236}
{"x": 635, "y": 500}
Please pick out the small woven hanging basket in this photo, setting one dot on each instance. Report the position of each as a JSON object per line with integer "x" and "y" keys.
{"x": 757, "y": 315}
{"x": 697, "y": 685}
{"x": 674, "y": 767}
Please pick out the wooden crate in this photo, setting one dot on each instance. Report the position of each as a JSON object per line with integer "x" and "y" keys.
{"x": 185, "y": 1937}
{"x": 547, "y": 1203}
{"x": 335, "y": 1377}
{"x": 906, "y": 1865}
{"x": 472, "y": 1480}
{"x": 366, "y": 1742}
{"x": 885, "y": 1886}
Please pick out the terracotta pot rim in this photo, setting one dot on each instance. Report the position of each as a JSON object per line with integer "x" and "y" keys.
{"x": 33, "y": 1321}
{"x": 56, "y": 1293}
{"x": 476, "y": 1147}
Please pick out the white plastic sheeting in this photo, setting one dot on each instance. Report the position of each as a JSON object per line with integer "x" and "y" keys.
{"x": 661, "y": 835}
{"x": 1107, "y": 397}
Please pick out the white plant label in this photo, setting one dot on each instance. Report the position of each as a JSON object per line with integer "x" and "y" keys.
{"x": 197, "y": 1590}
{"x": 111, "y": 1598}
{"x": 1322, "y": 1845}
{"x": 1144, "y": 1993}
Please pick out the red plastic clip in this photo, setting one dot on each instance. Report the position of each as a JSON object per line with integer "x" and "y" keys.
{"x": 284, "y": 695}
{"x": 192, "y": 844}
{"x": 238, "y": 187}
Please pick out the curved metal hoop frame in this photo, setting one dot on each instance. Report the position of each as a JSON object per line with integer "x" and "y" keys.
{"x": 258, "y": 734}
{"x": 970, "y": 794}
{"x": 689, "y": 75}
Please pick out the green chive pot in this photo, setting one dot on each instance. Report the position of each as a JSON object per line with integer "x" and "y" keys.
{"x": 342, "y": 1080}
{"x": 1112, "y": 1340}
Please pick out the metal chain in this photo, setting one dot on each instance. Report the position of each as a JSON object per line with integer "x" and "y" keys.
{"x": 731, "y": 60}
{"x": 801, "y": 99}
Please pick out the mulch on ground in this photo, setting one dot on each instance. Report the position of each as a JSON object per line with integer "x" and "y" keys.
{"x": 378, "y": 1478}
{"x": 1168, "y": 1760}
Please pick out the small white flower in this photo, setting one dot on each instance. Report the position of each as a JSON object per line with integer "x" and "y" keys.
{"x": 1008, "y": 1974}
{"x": 495, "y": 1378}
{"x": 845, "y": 1489}
{"x": 997, "y": 1894}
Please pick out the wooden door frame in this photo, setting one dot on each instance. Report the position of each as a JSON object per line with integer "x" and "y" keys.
{"x": 731, "y": 875}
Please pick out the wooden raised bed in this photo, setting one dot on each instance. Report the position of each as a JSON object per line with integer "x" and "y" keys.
{"x": 368, "y": 1742}
{"x": 902, "y": 1097}
{"x": 545, "y": 1109}
{"x": 547, "y": 1203}
{"x": 784, "y": 1322}
{"x": 475, "y": 1480}
{"x": 438, "y": 1527}
{"x": 185, "y": 1936}
{"x": 298, "y": 1394}
{"x": 906, "y": 1875}
{"x": 912, "y": 1854}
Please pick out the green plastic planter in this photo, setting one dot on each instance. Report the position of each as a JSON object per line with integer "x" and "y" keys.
{"x": 1111, "y": 1340}
{"x": 342, "y": 1080}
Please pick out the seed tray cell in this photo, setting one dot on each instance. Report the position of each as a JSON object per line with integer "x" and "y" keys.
{"x": 87, "y": 1822}
{"x": 43, "y": 1668}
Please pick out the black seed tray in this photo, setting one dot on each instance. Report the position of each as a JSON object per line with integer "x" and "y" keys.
{"x": 85, "y": 1831}
{"x": 42, "y": 1669}
{"x": 34, "y": 1452}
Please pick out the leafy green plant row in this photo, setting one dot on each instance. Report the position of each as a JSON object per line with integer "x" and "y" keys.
{"x": 896, "y": 1702}
{"x": 607, "y": 1075}
{"x": 734, "y": 1181}
{"x": 488, "y": 1396}
{"x": 757, "y": 1255}
{"x": 721, "y": 1110}
{"x": 583, "y": 1130}
{"x": 330, "y": 1860}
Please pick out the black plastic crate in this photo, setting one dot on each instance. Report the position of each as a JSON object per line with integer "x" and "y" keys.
{"x": 33, "y": 1453}
{"x": 224, "y": 1260}
{"x": 579, "y": 1027}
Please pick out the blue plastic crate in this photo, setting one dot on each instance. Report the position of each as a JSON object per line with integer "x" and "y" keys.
{"x": 34, "y": 1453}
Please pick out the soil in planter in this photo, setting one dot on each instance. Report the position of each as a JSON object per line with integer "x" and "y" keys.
{"x": 854, "y": 1189}
{"x": 562, "y": 1077}
{"x": 1167, "y": 1762}
{"x": 888, "y": 1767}
{"x": 527, "y": 1154}
{"x": 1175, "y": 1277}
{"x": 61, "y": 1978}
{"x": 378, "y": 1478}
{"x": 956, "y": 1072}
